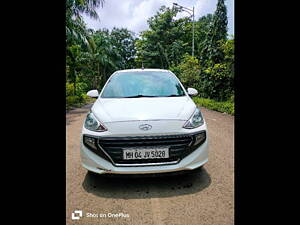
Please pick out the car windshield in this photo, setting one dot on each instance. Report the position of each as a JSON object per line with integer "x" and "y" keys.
{"x": 137, "y": 84}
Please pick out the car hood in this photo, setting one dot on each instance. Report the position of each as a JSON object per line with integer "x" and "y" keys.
{"x": 130, "y": 109}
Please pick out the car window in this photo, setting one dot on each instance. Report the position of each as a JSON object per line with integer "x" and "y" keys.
{"x": 142, "y": 84}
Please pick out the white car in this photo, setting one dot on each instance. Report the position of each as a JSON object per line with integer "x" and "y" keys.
{"x": 143, "y": 122}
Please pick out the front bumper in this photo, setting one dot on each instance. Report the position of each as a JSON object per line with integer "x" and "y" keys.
{"x": 96, "y": 164}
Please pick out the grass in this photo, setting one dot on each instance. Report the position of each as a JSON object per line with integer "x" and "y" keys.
{"x": 78, "y": 101}
{"x": 226, "y": 107}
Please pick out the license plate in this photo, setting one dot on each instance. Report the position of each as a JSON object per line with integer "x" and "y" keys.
{"x": 145, "y": 153}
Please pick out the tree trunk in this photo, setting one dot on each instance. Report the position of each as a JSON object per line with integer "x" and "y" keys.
{"x": 99, "y": 75}
{"x": 74, "y": 79}
{"x": 75, "y": 85}
{"x": 103, "y": 77}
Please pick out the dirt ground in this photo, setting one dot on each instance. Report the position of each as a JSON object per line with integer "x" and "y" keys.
{"x": 203, "y": 198}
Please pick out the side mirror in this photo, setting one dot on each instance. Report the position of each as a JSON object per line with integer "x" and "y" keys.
{"x": 93, "y": 93}
{"x": 192, "y": 91}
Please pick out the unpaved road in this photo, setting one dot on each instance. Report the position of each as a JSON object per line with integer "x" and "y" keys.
{"x": 206, "y": 198}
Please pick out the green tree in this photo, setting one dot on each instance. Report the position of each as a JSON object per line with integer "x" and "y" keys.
{"x": 73, "y": 56}
{"x": 211, "y": 53}
{"x": 228, "y": 50}
{"x": 167, "y": 40}
{"x": 202, "y": 27}
{"x": 123, "y": 41}
{"x": 217, "y": 79}
{"x": 158, "y": 47}
{"x": 75, "y": 28}
{"x": 188, "y": 71}
{"x": 104, "y": 57}
{"x": 77, "y": 34}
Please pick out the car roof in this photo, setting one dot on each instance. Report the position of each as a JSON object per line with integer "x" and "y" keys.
{"x": 142, "y": 70}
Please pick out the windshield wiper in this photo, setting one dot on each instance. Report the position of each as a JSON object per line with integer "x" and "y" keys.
{"x": 172, "y": 96}
{"x": 152, "y": 96}
{"x": 139, "y": 96}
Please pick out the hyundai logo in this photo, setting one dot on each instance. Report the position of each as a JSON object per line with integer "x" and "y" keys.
{"x": 145, "y": 127}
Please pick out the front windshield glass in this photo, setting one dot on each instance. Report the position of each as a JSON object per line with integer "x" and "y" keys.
{"x": 142, "y": 84}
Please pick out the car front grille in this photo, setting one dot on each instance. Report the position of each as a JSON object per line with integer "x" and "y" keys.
{"x": 179, "y": 147}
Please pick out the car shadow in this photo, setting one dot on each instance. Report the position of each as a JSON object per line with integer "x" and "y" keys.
{"x": 132, "y": 187}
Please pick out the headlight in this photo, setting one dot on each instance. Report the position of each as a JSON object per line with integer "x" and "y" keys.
{"x": 196, "y": 120}
{"x": 91, "y": 123}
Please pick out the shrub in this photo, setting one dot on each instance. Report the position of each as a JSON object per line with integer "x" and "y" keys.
{"x": 78, "y": 101}
{"x": 226, "y": 106}
{"x": 217, "y": 82}
{"x": 188, "y": 71}
{"x": 231, "y": 99}
{"x": 72, "y": 101}
{"x": 69, "y": 89}
{"x": 81, "y": 88}
{"x": 216, "y": 78}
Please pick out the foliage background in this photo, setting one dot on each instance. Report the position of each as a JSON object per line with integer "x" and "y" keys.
{"x": 92, "y": 56}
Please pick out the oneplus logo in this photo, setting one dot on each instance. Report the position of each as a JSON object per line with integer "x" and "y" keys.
{"x": 76, "y": 214}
